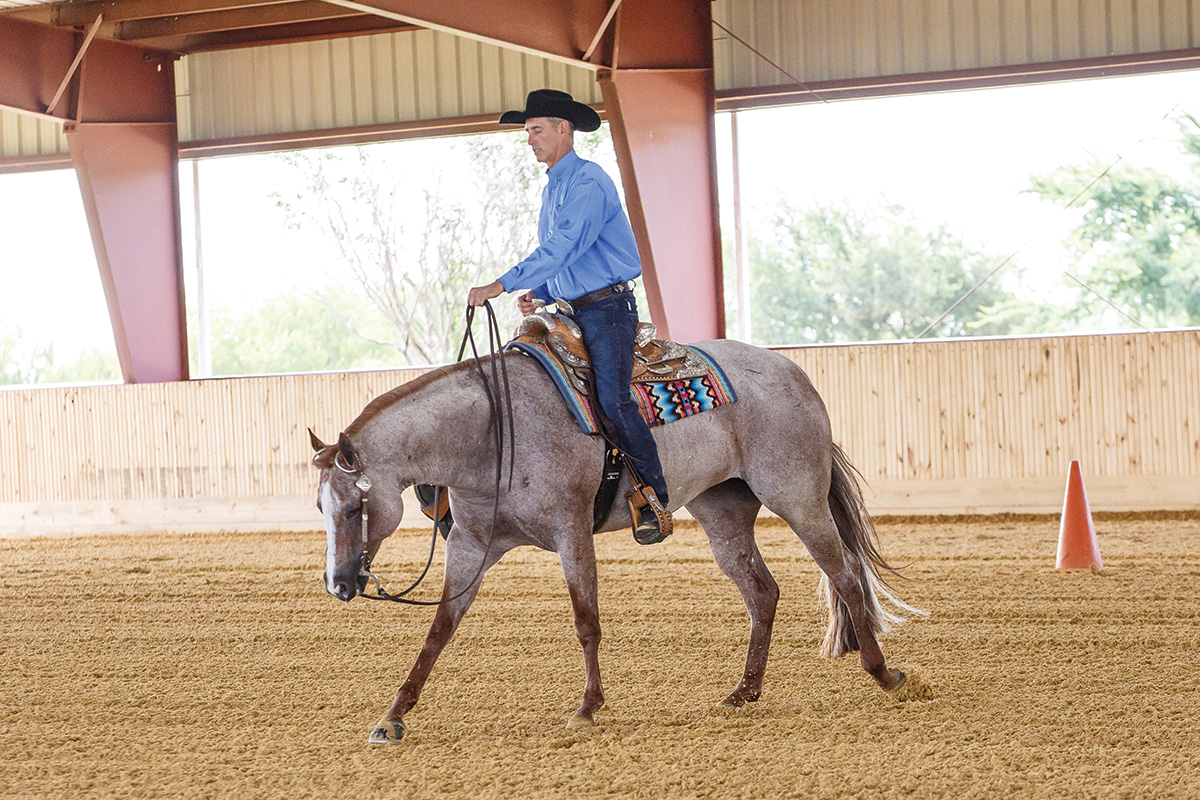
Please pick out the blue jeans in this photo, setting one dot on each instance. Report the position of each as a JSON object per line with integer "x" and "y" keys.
{"x": 608, "y": 330}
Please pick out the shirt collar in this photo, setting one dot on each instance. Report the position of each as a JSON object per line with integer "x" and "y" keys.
{"x": 565, "y": 166}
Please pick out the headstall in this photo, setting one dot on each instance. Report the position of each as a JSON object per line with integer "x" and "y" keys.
{"x": 500, "y": 406}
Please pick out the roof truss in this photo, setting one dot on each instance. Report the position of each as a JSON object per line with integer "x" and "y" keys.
{"x": 189, "y": 26}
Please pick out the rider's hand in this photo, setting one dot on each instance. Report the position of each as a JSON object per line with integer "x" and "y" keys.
{"x": 481, "y": 294}
{"x": 525, "y": 303}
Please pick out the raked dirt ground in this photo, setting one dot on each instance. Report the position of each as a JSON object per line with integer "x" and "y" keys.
{"x": 214, "y": 666}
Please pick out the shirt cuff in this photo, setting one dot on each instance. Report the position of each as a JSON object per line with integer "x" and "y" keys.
{"x": 508, "y": 279}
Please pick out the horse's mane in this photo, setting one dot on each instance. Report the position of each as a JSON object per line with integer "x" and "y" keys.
{"x": 387, "y": 399}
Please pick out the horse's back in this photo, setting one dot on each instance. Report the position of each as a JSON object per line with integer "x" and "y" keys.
{"x": 776, "y": 431}
{"x": 768, "y": 385}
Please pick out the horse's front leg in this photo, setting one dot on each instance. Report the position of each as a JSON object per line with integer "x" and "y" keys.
{"x": 578, "y": 557}
{"x": 463, "y": 556}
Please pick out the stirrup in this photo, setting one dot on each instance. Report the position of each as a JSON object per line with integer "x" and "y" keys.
{"x": 651, "y": 522}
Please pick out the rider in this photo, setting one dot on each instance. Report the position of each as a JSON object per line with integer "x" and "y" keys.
{"x": 587, "y": 254}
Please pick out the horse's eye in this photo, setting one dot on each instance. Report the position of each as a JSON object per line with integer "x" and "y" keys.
{"x": 351, "y": 513}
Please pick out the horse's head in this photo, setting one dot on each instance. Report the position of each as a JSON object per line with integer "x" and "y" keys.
{"x": 347, "y": 487}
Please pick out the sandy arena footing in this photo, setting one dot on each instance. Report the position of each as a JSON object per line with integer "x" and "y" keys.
{"x": 214, "y": 665}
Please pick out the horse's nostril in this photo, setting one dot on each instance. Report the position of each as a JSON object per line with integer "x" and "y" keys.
{"x": 341, "y": 591}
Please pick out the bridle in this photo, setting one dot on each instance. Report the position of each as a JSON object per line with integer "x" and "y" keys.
{"x": 364, "y": 485}
{"x": 499, "y": 409}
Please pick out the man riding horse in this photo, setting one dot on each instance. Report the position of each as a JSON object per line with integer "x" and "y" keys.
{"x": 587, "y": 254}
{"x": 767, "y": 444}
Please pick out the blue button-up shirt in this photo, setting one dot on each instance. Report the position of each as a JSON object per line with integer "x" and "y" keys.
{"x": 586, "y": 240}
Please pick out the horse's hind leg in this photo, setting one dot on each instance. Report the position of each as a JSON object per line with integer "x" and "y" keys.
{"x": 727, "y": 513}
{"x": 845, "y": 573}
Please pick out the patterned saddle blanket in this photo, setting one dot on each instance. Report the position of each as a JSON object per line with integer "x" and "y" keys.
{"x": 670, "y": 381}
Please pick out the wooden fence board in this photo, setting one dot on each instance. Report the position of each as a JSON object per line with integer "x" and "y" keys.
{"x": 969, "y": 416}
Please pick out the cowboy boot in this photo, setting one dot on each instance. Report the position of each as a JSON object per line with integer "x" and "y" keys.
{"x": 651, "y": 522}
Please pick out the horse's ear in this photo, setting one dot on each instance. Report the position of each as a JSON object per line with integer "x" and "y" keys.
{"x": 317, "y": 444}
{"x": 346, "y": 449}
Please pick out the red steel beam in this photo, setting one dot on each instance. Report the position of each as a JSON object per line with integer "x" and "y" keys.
{"x": 33, "y": 61}
{"x": 80, "y": 13}
{"x": 230, "y": 20}
{"x": 663, "y": 34}
{"x": 550, "y": 28}
{"x": 124, "y": 146}
{"x": 194, "y": 25}
{"x": 659, "y": 100}
{"x": 128, "y": 179}
{"x": 663, "y": 132}
{"x": 337, "y": 28}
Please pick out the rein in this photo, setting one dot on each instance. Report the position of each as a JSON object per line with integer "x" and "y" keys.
{"x": 500, "y": 408}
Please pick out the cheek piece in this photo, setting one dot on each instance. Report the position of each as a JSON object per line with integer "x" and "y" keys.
{"x": 364, "y": 565}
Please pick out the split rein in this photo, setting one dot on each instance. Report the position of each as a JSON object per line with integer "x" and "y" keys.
{"x": 500, "y": 409}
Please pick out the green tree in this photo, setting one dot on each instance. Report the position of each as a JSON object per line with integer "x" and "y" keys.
{"x": 837, "y": 274}
{"x": 26, "y": 363}
{"x": 296, "y": 332}
{"x": 93, "y": 365}
{"x": 21, "y": 363}
{"x": 414, "y": 270}
{"x": 1138, "y": 241}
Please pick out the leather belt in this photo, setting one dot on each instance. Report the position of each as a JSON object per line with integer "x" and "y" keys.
{"x": 600, "y": 294}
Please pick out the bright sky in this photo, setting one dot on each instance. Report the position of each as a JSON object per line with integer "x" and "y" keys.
{"x": 960, "y": 158}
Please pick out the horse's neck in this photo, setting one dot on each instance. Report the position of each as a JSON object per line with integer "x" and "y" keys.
{"x": 439, "y": 434}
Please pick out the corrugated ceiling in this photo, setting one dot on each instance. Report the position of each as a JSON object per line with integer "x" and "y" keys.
{"x": 365, "y": 80}
{"x": 825, "y": 40}
{"x": 385, "y": 79}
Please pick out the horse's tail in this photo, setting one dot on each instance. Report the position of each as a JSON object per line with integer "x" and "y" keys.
{"x": 858, "y": 534}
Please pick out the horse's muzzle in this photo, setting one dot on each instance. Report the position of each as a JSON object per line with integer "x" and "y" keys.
{"x": 345, "y": 588}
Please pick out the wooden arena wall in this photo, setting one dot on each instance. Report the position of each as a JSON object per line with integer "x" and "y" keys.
{"x": 948, "y": 427}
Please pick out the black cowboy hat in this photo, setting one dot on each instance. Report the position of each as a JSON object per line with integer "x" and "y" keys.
{"x": 553, "y": 103}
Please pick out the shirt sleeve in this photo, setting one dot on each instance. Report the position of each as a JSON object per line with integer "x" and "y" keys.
{"x": 576, "y": 228}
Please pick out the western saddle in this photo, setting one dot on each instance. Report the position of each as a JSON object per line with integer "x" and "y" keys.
{"x": 654, "y": 360}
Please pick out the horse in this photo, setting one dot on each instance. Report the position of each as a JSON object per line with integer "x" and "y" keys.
{"x": 772, "y": 448}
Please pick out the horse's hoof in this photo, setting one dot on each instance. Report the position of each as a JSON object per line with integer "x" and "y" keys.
{"x": 579, "y": 722}
{"x": 387, "y": 732}
{"x": 912, "y": 687}
{"x": 740, "y": 696}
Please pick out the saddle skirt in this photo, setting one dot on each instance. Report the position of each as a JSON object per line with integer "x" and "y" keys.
{"x": 670, "y": 381}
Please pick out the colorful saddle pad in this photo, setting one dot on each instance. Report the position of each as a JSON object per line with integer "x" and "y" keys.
{"x": 659, "y": 402}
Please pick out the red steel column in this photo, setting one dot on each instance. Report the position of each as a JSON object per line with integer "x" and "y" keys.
{"x": 125, "y": 149}
{"x": 128, "y": 175}
{"x": 659, "y": 98}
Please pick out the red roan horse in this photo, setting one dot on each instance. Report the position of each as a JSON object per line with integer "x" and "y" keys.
{"x": 771, "y": 448}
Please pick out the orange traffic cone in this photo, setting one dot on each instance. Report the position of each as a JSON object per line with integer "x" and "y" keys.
{"x": 1077, "y": 546}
